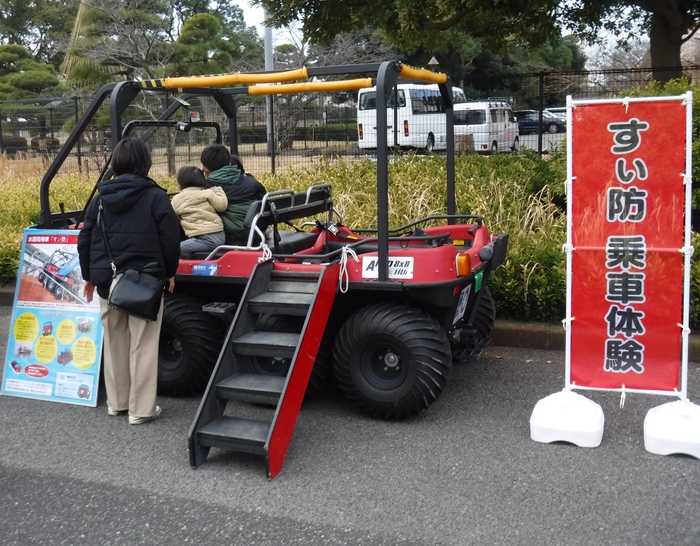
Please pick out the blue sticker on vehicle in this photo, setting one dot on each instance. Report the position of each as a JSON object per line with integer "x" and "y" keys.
{"x": 205, "y": 269}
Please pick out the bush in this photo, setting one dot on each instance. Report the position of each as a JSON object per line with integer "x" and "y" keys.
{"x": 516, "y": 194}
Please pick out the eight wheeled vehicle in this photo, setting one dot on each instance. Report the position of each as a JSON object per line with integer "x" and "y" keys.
{"x": 383, "y": 311}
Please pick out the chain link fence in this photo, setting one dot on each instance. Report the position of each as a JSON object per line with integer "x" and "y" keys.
{"x": 307, "y": 128}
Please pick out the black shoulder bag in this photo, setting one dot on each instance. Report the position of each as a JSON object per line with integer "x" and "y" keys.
{"x": 138, "y": 292}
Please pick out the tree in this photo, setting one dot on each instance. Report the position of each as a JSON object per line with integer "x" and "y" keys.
{"x": 669, "y": 24}
{"x": 21, "y": 76}
{"x": 635, "y": 55}
{"x": 414, "y": 23}
{"x": 200, "y": 49}
{"x": 365, "y": 46}
{"x": 204, "y": 47}
{"x": 126, "y": 39}
{"x": 154, "y": 38}
{"x": 476, "y": 68}
{"x": 40, "y": 26}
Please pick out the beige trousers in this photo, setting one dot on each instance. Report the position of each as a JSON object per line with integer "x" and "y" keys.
{"x": 131, "y": 360}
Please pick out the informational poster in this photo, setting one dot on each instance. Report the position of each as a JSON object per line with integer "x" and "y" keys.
{"x": 627, "y": 221}
{"x": 55, "y": 341}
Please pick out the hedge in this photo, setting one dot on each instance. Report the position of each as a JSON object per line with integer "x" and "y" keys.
{"x": 320, "y": 133}
{"x": 522, "y": 195}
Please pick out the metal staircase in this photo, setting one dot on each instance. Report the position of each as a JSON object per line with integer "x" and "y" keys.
{"x": 260, "y": 365}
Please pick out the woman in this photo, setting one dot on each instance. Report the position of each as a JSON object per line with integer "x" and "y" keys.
{"x": 140, "y": 227}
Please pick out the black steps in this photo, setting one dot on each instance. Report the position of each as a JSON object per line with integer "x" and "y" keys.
{"x": 234, "y": 433}
{"x": 243, "y": 372}
{"x": 281, "y": 303}
{"x": 248, "y": 387}
{"x": 274, "y": 344}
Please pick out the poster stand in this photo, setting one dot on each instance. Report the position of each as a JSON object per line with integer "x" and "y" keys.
{"x": 55, "y": 339}
{"x": 567, "y": 416}
{"x": 624, "y": 327}
{"x": 673, "y": 427}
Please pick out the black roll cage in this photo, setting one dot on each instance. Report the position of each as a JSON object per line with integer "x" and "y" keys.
{"x": 122, "y": 94}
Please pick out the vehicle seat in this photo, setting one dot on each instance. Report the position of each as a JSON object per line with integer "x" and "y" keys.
{"x": 436, "y": 240}
{"x": 291, "y": 242}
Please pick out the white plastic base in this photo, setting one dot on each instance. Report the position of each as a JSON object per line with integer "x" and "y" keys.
{"x": 567, "y": 417}
{"x": 673, "y": 428}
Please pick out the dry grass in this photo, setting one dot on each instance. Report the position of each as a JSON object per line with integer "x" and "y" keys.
{"x": 498, "y": 189}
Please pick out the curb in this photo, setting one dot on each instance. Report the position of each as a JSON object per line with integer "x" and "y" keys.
{"x": 506, "y": 333}
{"x": 552, "y": 337}
{"x": 7, "y": 295}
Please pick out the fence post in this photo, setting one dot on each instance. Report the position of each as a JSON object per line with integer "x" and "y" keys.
{"x": 0, "y": 131}
{"x": 80, "y": 161}
{"x": 306, "y": 134}
{"x": 271, "y": 132}
{"x": 253, "y": 131}
{"x": 539, "y": 120}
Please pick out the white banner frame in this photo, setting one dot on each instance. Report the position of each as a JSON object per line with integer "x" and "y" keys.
{"x": 687, "y": 100}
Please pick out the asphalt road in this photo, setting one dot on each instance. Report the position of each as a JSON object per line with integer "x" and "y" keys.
{"x": 465, "y": 472}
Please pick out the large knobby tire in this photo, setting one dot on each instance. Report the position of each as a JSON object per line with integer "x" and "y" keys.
{"x": 280, "y": 366}
{"x": 190, "y": 343}
{"x": 391, "y": 360}
{"x": 483, "y": 325}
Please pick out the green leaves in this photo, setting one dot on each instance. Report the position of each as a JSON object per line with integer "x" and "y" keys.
{"x": 21, "y": 76}
{"x": 521, "y": 195}
{"x": 516, "y": 194}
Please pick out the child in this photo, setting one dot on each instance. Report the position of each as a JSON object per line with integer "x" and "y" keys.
{"x": 198, "y": 208}
{"x": 226, "y": 170}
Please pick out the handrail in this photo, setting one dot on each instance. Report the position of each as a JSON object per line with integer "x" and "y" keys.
{"x": 223, "y": 80}
{"x": 254, "y": 78}
{"x": 317, "y": 187}
{"x": 410, "y": 73}
{"x": 254, "y": 223}
{"x": 479, "y": 220}
{"x": 311, "y": 87}
{"x": 426, "y": 238}
{"x": 334, "y": 253}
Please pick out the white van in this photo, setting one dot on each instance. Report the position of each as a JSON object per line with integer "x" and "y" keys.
{"x": 420, "y": 117}
{"x": 491, "y": 124}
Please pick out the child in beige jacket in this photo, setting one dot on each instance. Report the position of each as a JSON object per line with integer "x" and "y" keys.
{"x": 198, "y": 208}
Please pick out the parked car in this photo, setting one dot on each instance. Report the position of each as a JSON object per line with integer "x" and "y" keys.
{"x": 529, "y": 121}
{"x": 490, "y": 123}
{"x": 559, "y": 111}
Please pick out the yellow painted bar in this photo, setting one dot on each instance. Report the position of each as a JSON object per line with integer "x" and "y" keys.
{"x": 224, "y": 80}
{"x": 410, "y": 73}
{"x": 310, "y": 87}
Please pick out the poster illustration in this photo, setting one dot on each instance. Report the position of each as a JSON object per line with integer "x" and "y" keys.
{"x": 55, "y": 341}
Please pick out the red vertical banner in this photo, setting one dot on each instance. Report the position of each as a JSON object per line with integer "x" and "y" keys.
{"x": 627, "y": 228}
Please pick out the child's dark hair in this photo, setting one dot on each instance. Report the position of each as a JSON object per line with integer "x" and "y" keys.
{"x": 191, "y": 177}
{"x": 131, "y": 156}
{"x": 236, "y": 161}
{"x": 215, "y": 156}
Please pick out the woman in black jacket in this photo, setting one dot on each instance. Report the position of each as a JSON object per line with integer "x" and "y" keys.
{"x": 141, "y": 227}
